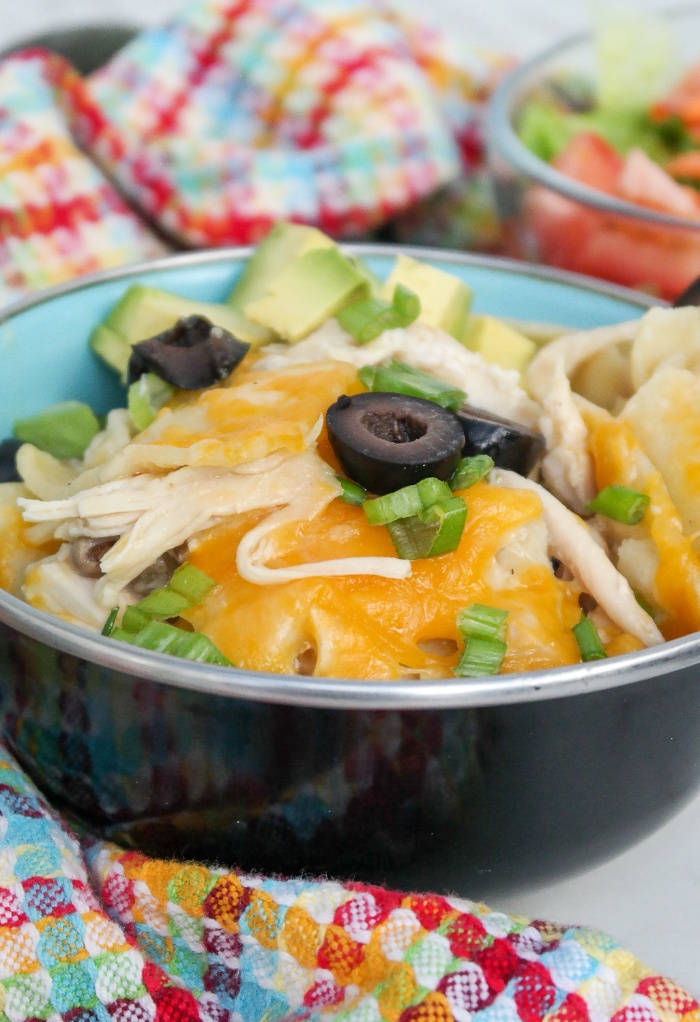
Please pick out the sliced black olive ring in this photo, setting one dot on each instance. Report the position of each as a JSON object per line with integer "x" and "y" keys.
{"x": 385, "y": 441}
{"x": 510, "y": 444}
{"x": 192, "y": 354}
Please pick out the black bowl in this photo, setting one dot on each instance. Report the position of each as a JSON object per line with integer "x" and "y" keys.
{"x": 500, "y": 782}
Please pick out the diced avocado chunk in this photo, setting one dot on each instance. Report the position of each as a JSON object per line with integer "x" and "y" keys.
{"x": 374, "y": 282}
{"x": 499, "y": 343}
{"x": 307, "y": 292}
{"x": 112, "y": 348}
{"x": 444, "y": 299}
{"x": 280, "y": 246}
{"x": 143, "y": 312}
{"x": 63, "y": 430}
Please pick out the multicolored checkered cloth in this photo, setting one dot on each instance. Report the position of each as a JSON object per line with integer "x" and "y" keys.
{"x": 234, "y": 115}
{"x": 92, "y": 933}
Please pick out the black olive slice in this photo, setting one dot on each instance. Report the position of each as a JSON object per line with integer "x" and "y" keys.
{"x": 191, "y": 354}
{"x": 510, "y": 444}
{"x": 8, "y": 461}
{"x": 385, "y": 441}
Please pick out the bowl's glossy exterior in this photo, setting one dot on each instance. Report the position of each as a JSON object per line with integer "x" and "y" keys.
{"x": 462, "y": 784}
{"x": 552, "y": 219}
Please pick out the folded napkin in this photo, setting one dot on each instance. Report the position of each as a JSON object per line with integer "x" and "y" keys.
{"x": 201, "y": 133}
{"x": 90, "y": 932}
{"x": 235, "y": 114}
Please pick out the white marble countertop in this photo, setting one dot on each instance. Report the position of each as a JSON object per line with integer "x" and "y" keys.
{"x": 649, "y": 897}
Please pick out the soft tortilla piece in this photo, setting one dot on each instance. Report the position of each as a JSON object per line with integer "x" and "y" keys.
{"x": 665, "y": 337}
{"x": 665, "y": 418}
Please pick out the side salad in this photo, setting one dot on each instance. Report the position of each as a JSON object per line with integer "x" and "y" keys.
{"x": 336, "y": 475}
{"x": 632, "y": 133}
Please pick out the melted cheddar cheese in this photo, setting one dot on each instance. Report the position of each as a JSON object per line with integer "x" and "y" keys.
{"x": 17, "y": 551}
{"x": 620, "y": 459}
{"x": 366, "y": 627}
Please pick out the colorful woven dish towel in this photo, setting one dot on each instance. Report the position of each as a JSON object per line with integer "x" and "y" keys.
{"x": 235, "y": 114}
{"x": 93, "y": 933}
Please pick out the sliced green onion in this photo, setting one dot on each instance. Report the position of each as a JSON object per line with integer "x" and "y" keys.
{"x": 481, "y": 621}
{"x": 409, "y": 500}
{"x": 589, "y": 644}
{"x": 161, "y": 637}
{"x": 413, "y": 537}
{"x": 434, "y": 531}
{"x": 431, "y": 490}
{"x": 63, "y": 430}
{"x": 187, "y": 587}
{"x": 483, "y": 629}
{"x": 164, "y": 603}
{"x": 470, "y": 470}
{"x": 352, "y": 493}
{"x": 191, "y": 582}
{"x": 145, "y": 397}
{"x": 406, "y": 303}
{"x": 391, "y": 506}
{"x": 621, "y": 503}
{"x": 142, "y": 623}
{"x": 400, "y": 378}
{"x": 451, "y": 515}
{"x": 371, "y": 316}
{"x": 111, "y": 621}
{"x": 133, "y": 619}
{"x": 481, "y": 656}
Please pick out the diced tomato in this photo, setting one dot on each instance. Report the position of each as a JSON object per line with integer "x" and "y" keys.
{"x": 646, "y": 183}
{"x": 685, "y": 165}
{"x": 563, "y": 233}
{"x": 683, "y": 101}
{"x": 588, "y": 158}
{"x": 560, "y": 232}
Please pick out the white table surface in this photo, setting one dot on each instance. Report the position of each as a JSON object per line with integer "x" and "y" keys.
{"x": 649, "y": 897}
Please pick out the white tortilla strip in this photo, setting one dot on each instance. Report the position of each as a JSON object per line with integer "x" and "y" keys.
{"x": 572, "y": 542}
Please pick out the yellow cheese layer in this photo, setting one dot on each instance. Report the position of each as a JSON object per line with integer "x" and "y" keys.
{"x": 619, "y": 459}
{"x": 367, "y": 627}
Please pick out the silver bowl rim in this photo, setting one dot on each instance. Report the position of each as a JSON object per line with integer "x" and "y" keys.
{"x": 338, "y": 693}
{"x": 503, "y": 141}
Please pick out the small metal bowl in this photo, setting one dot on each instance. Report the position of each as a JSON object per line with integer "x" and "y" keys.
{"x": 498, "y": 782}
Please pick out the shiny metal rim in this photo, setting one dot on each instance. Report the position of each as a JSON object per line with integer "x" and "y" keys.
{"x": 343, "y": 693}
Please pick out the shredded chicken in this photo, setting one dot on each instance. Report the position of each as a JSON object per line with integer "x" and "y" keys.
{"x": 426, "y": 348}
{"x": 54, "y": 585}
{"x": 152, "y": 514}
{"x": 567, "y": 467}
{"x": 572, "y": 542}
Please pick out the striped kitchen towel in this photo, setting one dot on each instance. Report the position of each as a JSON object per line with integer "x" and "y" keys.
{"x": 235, "y": 114}
{"x": 90, "y": 932}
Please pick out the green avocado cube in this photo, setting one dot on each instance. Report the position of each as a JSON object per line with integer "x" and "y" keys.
{"x": 498, "y": 342}
{"x": 307, "y": 292}
{"x": 280, "y": 246}
{"x": 445, "y": 300}
{"x": 63, "y": 430}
